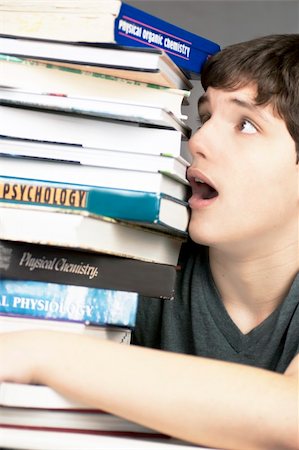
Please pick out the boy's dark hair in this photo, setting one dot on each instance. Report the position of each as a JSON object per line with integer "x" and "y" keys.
{"x": 270, "y": 62}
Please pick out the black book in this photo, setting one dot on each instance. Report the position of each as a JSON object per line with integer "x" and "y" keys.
{"x": 37, "y": 262}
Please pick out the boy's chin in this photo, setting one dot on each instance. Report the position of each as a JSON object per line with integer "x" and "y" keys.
{"x": 200, "y": 235}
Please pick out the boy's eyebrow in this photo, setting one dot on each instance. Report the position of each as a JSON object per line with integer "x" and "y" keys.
{"x": 248, "y": 105}
{"x": 204, "y": 99}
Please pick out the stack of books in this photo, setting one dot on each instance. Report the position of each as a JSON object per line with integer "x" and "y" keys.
{"x": 93, "y": 189}
{"x": 104, "y": 21}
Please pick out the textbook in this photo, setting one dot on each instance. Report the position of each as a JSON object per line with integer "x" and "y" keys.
{"x": 116, "y": 59}
{"x": 131, "y": 26}
{"x": 105, "y": 235}
{"x": 24, "y": 439}
{"x": 10, "y": 323}
{"x": 188, "y": 50}
{"x": 175, "y": 167}
{"x": 105, "y": 177}
{"x": 48, "y": 126}
{"x": 68, "y": 302}
{"x": 31, "y": 75}
{"x": 146, "y": 208}
{"x": 98, "y": 270}
{"x": 19, "y": 395}
{"x": 103, "y": 108}
{"x": 94, "y": 422}
{"x": 68, "y": 20}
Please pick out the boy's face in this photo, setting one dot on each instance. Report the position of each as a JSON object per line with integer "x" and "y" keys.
{"x": 247, "y": 154}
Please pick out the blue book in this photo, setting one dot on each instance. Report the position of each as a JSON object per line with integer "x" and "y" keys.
{"x": 147, "y": 208}
{"x": 67, "y": 302}
{"x": 134, "y": 27}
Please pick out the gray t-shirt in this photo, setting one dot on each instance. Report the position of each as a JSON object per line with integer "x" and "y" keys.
{"x": 197, "y": 323}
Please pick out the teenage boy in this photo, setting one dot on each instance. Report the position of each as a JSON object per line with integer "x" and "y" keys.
{"x": 230, "y": 376}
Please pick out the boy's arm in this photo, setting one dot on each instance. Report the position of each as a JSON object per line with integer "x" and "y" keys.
{"x": 204, "y": 401}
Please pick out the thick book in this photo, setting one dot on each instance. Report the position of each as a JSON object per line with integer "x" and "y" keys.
{"x": 105, "y": 177}
{"x": 153, "y": 209}
{"x": 98, "y": 270}
{"x": 115, "y": 59}
{"x": 129, "y": 26}
{"x": 147, "y": 208}
{"x": 67, "y": 20}
{"x": 105, "y": 235}
{"x": 92, "y": 422}
{"x": 25, "y": 74}
{"x": 14, "y": 322}
{"x": 88, "y": 132}
{"x": 19, "y": 395}
{"x": 101, "y": 108}
{"x": 188, "y": 50}
{"x": 24, "y": 439}
{"x": 173, "y": 166}
{"x": 68, "y": 302}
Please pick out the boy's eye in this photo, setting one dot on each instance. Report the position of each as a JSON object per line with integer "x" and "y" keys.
{"x": 247, "y": 127}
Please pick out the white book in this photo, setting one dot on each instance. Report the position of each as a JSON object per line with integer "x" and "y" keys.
{"x": 30, "y": 75}
{"x": 94, "y": 421}
{"x": 22, "y": 439}
{"x": 69, "y": 6}
{"x": 89, "y": 132}
{"x": 35, "y": 396}
{"x": 65, "y": 229}
{"x": 172, "y": 166}
{"x": 106, "y": 55}
{"x": 109, "y": 177}
{"x": 112, "y": 58}
{"x": 104, "y": 108}
{"x": 10, "y": 323}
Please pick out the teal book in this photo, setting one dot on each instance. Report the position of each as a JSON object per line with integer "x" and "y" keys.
{"x": 66, "y": 302}
{"x": 148, "y": 208}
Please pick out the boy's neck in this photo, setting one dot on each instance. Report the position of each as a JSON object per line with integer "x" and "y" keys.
{"x": 253, "y": 284}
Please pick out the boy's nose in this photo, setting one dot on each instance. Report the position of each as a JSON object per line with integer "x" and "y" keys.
{"x": 197, "y": 145}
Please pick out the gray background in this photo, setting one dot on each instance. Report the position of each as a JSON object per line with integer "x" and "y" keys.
{"x": 225, "y": 22}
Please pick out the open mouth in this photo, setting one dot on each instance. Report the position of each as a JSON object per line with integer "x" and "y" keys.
{"x": 201, "y": 189}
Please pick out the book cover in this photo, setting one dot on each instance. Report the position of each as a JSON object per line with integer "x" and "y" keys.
{"x": 126, "y": 25}
{"x": 93, "y": 422}
{"x": 13, "y": 322}
{"x": 44, "y": 171}
{"x": 98, "y": 270}
{"x": 147, "y": 208}
{"x": 87, "y": 132}
{"x": 101, "y": 108}
{"x": 76, "y": 303}
{"x": 188, "y": 50}
{"x": 103, "y": 235}
{"x": 175, "y": 167}
{"x": 35, "y": 396}
{"x": 26, "y": 74}
{"x": 111, "y": 57}
{"x": 24, "y": 439}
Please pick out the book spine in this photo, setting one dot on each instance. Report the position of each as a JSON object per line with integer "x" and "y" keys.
{"x": 34, "y": 262}
{"x": 65, "y": 302}
{"x": 120, "y": 204}
{"x": 138, "y": 28}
